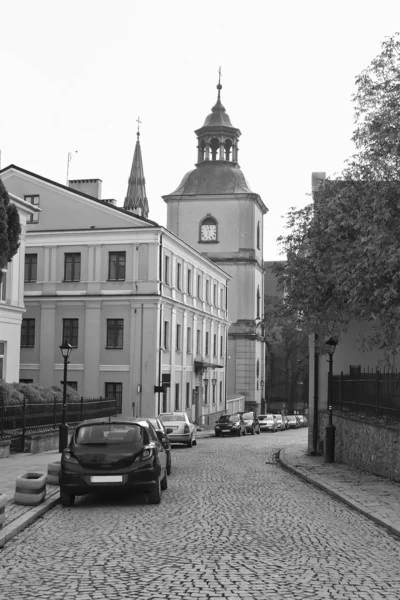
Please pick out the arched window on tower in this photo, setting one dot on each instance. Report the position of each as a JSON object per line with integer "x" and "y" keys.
{"x": 258, "y": 301}
{"x": 228, "y": 149}
{"x": 202, "y": 151}
{"x": 214, "y": 145}
{"x": 258, "y": 235}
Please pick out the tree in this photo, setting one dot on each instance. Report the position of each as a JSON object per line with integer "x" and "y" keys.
{"x": 10, "y": 229}
{"x": 343, "y": 250}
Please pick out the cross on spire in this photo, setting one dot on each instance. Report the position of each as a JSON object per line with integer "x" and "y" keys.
{"x": 138, "y": 121}
{"x": 219, "y": 86}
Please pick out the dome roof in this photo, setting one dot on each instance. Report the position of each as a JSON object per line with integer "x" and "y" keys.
{"x": 213, "y": 178}
{"x": 218, "y": 117}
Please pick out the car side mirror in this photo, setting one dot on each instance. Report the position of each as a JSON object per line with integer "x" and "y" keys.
{"x": 160, "y": 435}
{"x": 169, "y": 430}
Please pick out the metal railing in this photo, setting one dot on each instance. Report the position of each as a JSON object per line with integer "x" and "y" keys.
{"x": 371, "y": 393}
{"x": 21, "y": 419}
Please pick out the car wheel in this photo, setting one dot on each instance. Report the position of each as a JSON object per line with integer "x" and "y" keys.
{"x": 244, "y": 432}
{"x": 66, "y": 498}
{"x": 169, "y": 468}
{"x": 258, "y": 432}
{"x": 164, "y": 482}
{"x": 217, "y": 434}
{"x": 190, "y": 443}
{"x": 252, "y": 431}
{"x": 195, "y": 442}
{"x": 155, "y": 494}
{"x": 239, "y": 433}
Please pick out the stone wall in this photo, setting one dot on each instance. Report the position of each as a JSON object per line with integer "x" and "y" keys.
{"x": 365, "y": 443}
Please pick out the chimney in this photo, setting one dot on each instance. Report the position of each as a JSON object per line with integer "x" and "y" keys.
{"x": 91, "y": 187}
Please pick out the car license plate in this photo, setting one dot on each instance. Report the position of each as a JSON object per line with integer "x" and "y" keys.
{"x": 106, "y": 479}
{"x": 225, "y": 430}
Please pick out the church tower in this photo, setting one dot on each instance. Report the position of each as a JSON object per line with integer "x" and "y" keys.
{"x": 215, "y": 211}
{"x": 136, "y": 199}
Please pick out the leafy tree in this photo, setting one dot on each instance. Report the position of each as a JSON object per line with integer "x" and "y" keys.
{"x": 343, "y": 250}
{"x": 10, "y": 229}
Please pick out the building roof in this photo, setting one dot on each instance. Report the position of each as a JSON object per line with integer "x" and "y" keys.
{"x": 76, "y": 192}
{"x": 218, "y": 118}
{"x": 213, "y": 177}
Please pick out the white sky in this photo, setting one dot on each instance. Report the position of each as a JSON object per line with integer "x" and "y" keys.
{"x": 76, "y": 74}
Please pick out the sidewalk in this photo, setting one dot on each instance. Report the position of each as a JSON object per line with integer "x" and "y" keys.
{"x": 17, "y": 516}
{"x": 372, "y": 496}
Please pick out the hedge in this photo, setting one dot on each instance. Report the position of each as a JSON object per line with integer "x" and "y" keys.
{"x": 35, "y": 393}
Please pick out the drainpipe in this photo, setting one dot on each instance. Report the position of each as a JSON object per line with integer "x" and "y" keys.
{"x": 316, "y": 379}
{"x": 161, "y": 327}
{"x": 226, "y": 350}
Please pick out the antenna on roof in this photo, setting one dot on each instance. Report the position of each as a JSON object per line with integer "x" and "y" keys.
{"x": 69, "y": 160}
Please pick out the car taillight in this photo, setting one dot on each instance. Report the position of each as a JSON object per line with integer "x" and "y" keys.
{"x": 186, "y": 430}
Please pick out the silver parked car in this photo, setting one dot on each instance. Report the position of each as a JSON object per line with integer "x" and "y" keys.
{"x": 183, "y": 428}
{"x": 268, "y": 423}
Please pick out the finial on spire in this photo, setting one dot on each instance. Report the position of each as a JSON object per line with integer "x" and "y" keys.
{"x": 219, "y": 86}
{"x": 138, "y": 121}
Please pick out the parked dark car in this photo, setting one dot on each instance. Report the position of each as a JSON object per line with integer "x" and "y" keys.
{"x": 230, "y": 425}
{"x": 113, "y": 455}
{"x": 162, "y": 433}
{"x": 252, "y": 422}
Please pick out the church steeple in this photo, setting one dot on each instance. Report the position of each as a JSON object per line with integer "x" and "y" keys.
{"x": 136, "y": 199}
{"x": 218, "y": 138}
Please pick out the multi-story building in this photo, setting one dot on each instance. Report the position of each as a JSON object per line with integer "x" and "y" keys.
{"x": 145, "y": 313}
{"x": 12, "y": 305}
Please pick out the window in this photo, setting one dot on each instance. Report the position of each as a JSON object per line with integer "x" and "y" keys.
{"x": 221, "y": 303}
{"x": 115, "y": 333}
{"x": 258, "y": 301}
{"x": 214, "y": 393}
{"x": 206, "y": 342}
{"x": 24, "y": 380}
{"x": 28, "y": 333}
{"x": 166, "y": 269}
{"x": 179, "y": 276}
{"x": 258, "y": 368}
{"x": 207, "y": 291}
{"x": 222, "y": 346}
{"x": 30, "y": 267}
{"x": 188, "y": 394}
{"x": 199, "y": 286}
{"x": 198, "y": 342}
{"x": 35, "y": 200}
{"x": 178, "y": 337}
{"x": 177, "y": 396}
{"x": 166, "y": 335}
{"x": 3, "y": 287}
{"x": 113, "y": 391}
{"x": 2, "y": 356}
{"x": 215, "y": 294}
{"x": 215, "y": 344}
{"x": 220, "y": 391}
{"x": 205, "y": 391}
{"x": 72, "y": 266}
{"x": 70, "y": 332}
{"x": 189, "y": 282}
{"x": 116, "y": 266}
{"x": 189, "y": 340}
{"x": 258, "y": 235}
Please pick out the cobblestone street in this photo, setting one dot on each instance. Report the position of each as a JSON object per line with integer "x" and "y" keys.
{"x": 232, "y": 524}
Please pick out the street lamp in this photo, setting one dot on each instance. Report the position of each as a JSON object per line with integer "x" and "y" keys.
{"x": 63, "y": 430}
{"x": 330, "y": 345}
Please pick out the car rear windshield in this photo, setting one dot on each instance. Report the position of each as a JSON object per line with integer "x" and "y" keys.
{"x": 108, "y": 434}
{"x": 229, "y": 419}
{"x": 172, "y": 417}
{"x": 247, "y": 416}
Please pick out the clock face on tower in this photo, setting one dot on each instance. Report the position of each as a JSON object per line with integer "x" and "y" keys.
{"x": 208, "y": 233}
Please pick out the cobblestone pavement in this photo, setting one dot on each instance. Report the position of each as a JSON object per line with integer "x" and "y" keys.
{"x": 231, "y": 525}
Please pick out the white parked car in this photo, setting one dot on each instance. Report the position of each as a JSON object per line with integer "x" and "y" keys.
{"x": 267, "y": 423}
{"x": 183, "y": 428}
{"x": 280, "y": 422}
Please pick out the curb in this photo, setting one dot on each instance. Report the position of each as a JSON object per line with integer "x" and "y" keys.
{"x": 326, "y": 488}
{"x": 11, "y": 530}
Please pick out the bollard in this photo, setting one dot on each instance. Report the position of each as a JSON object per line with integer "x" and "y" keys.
{"x": 30, "y": 488}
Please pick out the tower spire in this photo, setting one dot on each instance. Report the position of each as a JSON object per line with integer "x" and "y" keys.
{"x": 136, "y": 198}
{"x": 219, "y": 86}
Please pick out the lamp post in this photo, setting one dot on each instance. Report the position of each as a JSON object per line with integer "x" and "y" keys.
{"x": 330, "y": 344}
{"x": 63, "y": 429}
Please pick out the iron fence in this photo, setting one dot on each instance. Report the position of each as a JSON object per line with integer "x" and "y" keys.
{"x": 372, "y": 393}
{"x": 21, "y": 419}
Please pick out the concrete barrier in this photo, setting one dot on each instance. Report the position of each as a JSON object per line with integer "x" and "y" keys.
{"x": 30, "y": 488}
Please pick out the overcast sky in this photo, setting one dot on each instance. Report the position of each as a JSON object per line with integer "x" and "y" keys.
{"x": 75, "y": 75}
